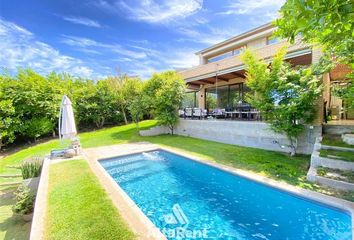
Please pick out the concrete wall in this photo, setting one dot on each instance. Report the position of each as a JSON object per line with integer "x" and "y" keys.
{"x": 249, "y": 134}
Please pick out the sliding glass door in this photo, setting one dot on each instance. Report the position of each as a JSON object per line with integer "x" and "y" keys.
{"x": 191, "y": 99}
{"x": 224, "y": 97}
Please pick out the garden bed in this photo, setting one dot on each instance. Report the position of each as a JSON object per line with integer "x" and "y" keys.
{"x": 336, "y": 154}
{"x": 336, "y": 174}
{"x": 335, "y": 140}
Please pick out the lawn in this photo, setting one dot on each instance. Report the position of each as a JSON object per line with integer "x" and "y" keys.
{"x": 107, "y": 136}
{"x": 275, "y": 165}
{"x": 79, "y": 208}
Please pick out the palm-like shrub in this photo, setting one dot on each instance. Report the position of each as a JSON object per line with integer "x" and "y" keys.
{"x": 32, "y": 167}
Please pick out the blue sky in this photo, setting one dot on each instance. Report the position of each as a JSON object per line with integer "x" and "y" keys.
{"x": 94, "y": 38}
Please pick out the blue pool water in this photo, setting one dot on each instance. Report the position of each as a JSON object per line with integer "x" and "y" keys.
{"x": 190, "y": 200}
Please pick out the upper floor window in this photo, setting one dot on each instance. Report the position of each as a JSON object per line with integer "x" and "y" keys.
{"x": 272, "y": 40}
{"x": 237, "y": 51}
{"x": 219, "y": 57}
{"x": 234, "y": 52}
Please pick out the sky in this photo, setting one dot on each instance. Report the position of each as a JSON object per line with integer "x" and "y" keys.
{"x": 97, "y": 38}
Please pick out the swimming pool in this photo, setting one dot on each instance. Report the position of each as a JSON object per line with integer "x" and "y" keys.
{"x": 190, "y": 200}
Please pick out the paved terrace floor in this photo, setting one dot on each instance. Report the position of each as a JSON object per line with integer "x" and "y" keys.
{"x": 341, "y": 122}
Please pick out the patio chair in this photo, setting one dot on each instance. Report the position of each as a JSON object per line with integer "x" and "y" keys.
{"x": 181, "y": 113}
{"x": 188, "y": 112}
{"x": 199, "y": 113}
{"x": 218, "y": 113}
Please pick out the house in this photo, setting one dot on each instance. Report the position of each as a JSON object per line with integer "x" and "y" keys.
{"x": 218, "y": 82}
{"x": 219, "y": 79}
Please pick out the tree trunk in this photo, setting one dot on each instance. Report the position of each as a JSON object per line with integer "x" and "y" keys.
{"x": 292, "y": 147}
{"x": 124, "y": 116}
{"x": 100, "y": 122}
{"x": 171, "y": 128}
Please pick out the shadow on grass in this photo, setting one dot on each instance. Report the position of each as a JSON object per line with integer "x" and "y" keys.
{"x": 11, "y": 226}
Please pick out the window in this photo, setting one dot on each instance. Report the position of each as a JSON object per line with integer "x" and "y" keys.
{"x": 234, "y": 52}
{"x": 190, "y": 100}
{"x": 272, "y": 40}
{"x": 219, "y": 57}
{"x": 237, "y": 51}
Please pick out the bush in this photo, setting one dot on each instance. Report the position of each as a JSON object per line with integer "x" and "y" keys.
{"x": 24, "y": 201}
{"x": 37, "y": 127}
{"x": 31, "y": 168}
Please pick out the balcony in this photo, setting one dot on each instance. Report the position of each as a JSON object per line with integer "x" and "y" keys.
{"x": 235, "y": 65}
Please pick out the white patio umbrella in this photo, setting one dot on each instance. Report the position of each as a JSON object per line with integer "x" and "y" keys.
{"x": 67, "y": 128}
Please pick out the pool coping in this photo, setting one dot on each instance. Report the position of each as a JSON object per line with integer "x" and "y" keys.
{"x": 128, "y": 208}
{"x": 138, "y": 222}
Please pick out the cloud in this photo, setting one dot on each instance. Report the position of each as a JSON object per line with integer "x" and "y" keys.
{"x": 252, "y": 6}
{"x": 210, "y": 36}
{"x": 83, "y": 21}
{"x": 154, "y": 11}
{"x": 161, "y": 58}
{"x": 86, "y": 43}
{"x": 19, "y": 48}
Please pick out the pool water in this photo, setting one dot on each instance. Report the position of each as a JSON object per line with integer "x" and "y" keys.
{"x": 186, "y": 199}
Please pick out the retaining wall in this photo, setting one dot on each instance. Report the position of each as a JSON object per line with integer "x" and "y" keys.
{"x": 248, "y": 134}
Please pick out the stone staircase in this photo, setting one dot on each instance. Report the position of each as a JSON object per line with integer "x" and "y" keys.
{"x": 331, "y": 171}
{"x": 9, "y": 180}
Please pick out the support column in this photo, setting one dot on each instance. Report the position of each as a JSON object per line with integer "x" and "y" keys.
{"x": 202, "y": 97}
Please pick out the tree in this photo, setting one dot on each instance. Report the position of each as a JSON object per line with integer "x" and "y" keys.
{"x": 133, "y": 92}
{"x": 285, "y": 96}
{"x": 95, "y": 103}
{"x": 151, "y": 87}
{"x": 169, "y": 98}
{"x": 8, "y": 122}
{"x": 328, "y": 23}
{"x": 116, "y": 83}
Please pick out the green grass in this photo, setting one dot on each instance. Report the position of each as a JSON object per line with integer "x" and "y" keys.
{"x": 79, "y": 208}
{"x": 275, "y": 165}
{"x": 335, "y": 140}
{"x": 324, "y": 172}
{"x": 341, "y": 155}
{"x": 107, "y": 136}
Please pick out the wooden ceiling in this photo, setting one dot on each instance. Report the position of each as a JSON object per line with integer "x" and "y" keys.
{"x": 220, "y": 78}
{"x": 301, "y": 60}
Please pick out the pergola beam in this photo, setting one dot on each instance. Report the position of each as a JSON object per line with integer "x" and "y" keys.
{"x": 238, "y": 74}
{"x": 223, "y": 79}
{"x": 193, "y": 85}
{"x": 207, "y": 81}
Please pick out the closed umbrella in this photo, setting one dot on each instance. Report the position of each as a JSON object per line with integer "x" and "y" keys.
{"x": 67, "y": 128}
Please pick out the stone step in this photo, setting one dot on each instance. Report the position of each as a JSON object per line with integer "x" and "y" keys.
{"x": 318, "y": 161}
{"x": 312, "y": 176}
{"x": 10, "y": 184}
{"x": 10, "y": 175}
{"x": 337, "y": 148}
{"x": 337, "y": 129}
{"x": 13, "y": 166}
